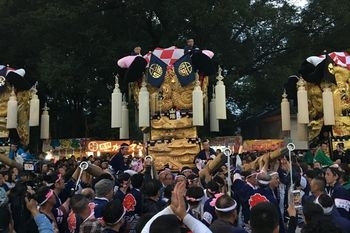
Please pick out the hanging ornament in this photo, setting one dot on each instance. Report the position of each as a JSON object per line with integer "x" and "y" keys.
{"x": 328, "y": 106}
{"x": 197, "y": 104}
{"x": 45, "y": 124}
{"x": 220, "y": 98}
{"x": 303, "y": 108}
{"x": 144, "y": 105}
{"x": 124, "y": 130}
{"x": 12, "y": 106}
{"x": 34, "y": 110}
{"x": 285, "y": 112}
{"x": 214, "y": 122}
{"x": 116, "y": 117}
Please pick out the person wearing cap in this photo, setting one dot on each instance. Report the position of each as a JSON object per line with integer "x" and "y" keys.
{"x": 117, "y": 161}
{"x": 80, "y": 206}
{"x": 340, "y": 195}
{"x": 226, "y": 211}
{"x": 113, "y": 216}
{"x": 104, "y": 190}
{"x": 327, "y": 204}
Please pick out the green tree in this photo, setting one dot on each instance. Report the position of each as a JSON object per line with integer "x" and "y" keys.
{"x": 71, "y": 47}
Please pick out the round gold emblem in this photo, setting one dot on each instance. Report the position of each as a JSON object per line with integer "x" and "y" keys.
{"x": 185, "y": 69}
{"x": 331, "y": 68}
{"x": 155, "y": 70}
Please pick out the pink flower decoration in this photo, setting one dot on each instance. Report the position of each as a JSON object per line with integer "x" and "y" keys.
{"x": 216, "y": 196}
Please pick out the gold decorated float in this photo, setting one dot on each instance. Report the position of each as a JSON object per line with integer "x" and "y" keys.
{"x": 172, "y": 137}
{"x": 341, "y": 100}
{"x": 13, "y": 81}
{"x": 323, "y": 96}
{"x": 169, "y": 78}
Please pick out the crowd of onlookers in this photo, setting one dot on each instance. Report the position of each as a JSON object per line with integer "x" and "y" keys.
{"x": 119, "y": 193}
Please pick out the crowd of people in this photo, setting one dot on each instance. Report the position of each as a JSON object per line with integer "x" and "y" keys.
{"x": 121, "y": 193}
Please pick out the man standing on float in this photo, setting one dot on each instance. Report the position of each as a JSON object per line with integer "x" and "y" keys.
{"x": 117, "y": 161}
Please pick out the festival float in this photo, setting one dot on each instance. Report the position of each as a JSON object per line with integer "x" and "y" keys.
{"x": 19, "y": 110}
{"x": 170, "y": 89}
{"x": 322, "y": 94}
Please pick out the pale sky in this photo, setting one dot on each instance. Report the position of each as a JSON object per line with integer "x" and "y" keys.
{"x": 299, "y": 3}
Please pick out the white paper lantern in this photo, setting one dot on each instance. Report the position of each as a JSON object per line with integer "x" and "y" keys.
{"x": 116, "y": 116}
{"x": 144, "y": 106}
{"x": 214, "y": 122}
{"x": 197, "y": 105}
{"x": 328, "y": 107}
{"x": 285, "y": 112}
{"x": 34, "y": 109}
{"x": 124, "y": 130}
{"x": 45, "y": 124}
{"x": 220, "y": 98}
{"x": 11, "y": 122}
{"x": 303, "y": 107}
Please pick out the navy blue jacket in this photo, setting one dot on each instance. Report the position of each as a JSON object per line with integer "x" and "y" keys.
{"x": 268, "y": 193}
{"x": 201, "y": 155}
{"x": 341, "y": 198}
{"x": 339, "y": 221}
{"x": 117, "y": 163}
{"x": 243, "y": 192}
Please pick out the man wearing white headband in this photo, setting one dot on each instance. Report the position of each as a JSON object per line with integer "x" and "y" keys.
{"x": 225, "y": 209}
{"x": 206, "y": 152}
{"x": 46, "y": 202}
{"x": 268, "y": 183}
{"x": 244, "y": 189}
{"x": 117, "y": 161}
{"x": 327, "y": 204}
{"x": 113, "y": 216}
{"x": 80, "y": 206}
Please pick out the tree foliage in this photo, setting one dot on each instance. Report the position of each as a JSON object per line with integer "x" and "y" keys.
{"x": 71, "y": 48}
